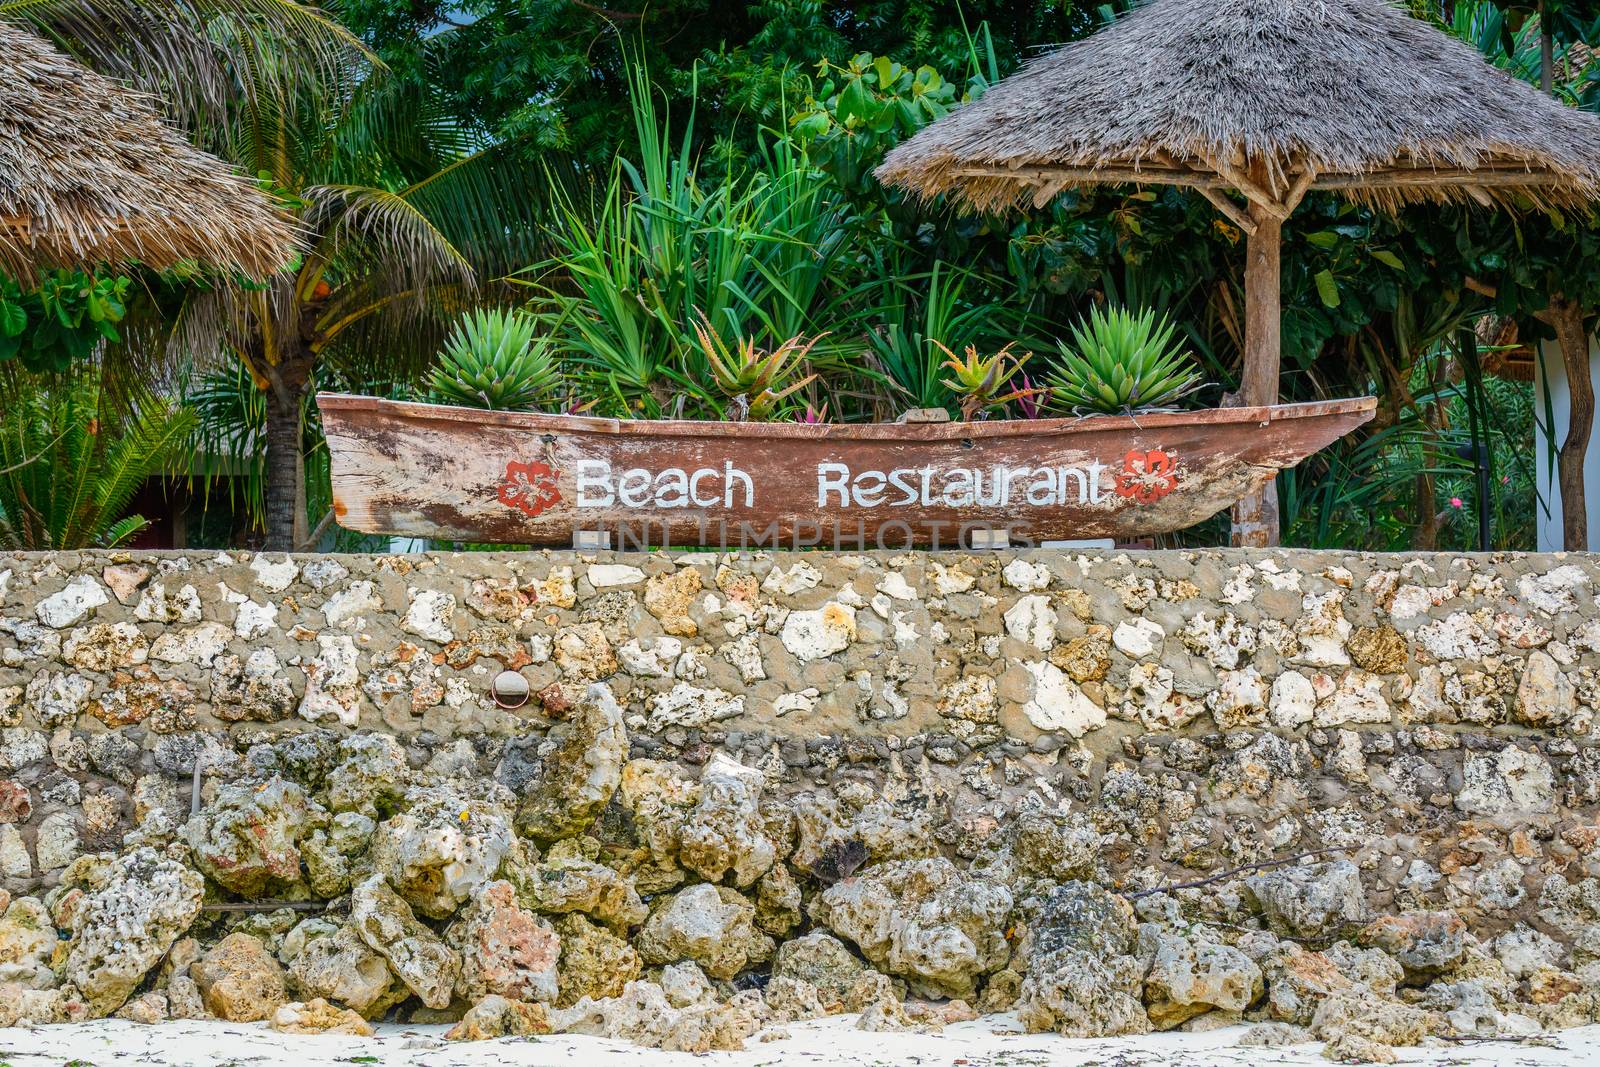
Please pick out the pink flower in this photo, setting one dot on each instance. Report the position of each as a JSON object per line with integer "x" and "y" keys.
{"x": 1455, "y": 502}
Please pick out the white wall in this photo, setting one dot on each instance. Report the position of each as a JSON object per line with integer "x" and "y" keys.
{"x": 1552, "y": 375}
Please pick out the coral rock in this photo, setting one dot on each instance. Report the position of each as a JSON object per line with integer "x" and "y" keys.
{"x": 147, "y": 1009}
{"x": 1315, "y": 900}
{"x": 441, "y": 849}
{"x": 577, "y": 779}
{"x": 712, "y": 925}
{"x": 821, "y": 961}
{"x": 385, "y": 922}
{"x": 319, "y": 1017}
{"x": 1424, "y": 942}
{"x": 239, "y": 980}
{"x": 1387, "y": 1022}
{"x": 1188, "y": 976}
{"x": 497, "y": 1016}
{"x": 567, "y": 880}
{"x": 371, "y": 775}
{"x": 247, "y": 840}
{"x": 1353, "y": 1048}
{"x": 341, "y": 967}
{"x": 126, "y": 925}
{"x": 642, "y": 1014}
{"x": 1082, "y": 978}
{"x": 668, "y": 596}
{"x": 504, "y": 949}
{"x": 725, "y": 835}
{"x": 925, "y": 920}
{"x": 27, "y": 942}
{"x": 593, "y": 964}
{"x": 1298, "y": 980}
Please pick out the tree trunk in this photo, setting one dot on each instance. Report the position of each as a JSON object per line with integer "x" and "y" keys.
{"x": 285, "y": 488}
{"x": 1567, "y": 318}
{"x": 1255, "y": 518}
{"x": 1425, "y": 536}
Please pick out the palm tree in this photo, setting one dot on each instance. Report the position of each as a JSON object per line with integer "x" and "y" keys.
{"x": 405, "y": 217}
{"x": 403, "y": 211}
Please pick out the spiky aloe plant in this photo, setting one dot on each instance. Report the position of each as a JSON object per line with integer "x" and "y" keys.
{"x": 1118, "y": 362}
{"x": 983, "y": 382}
{"x": 756, "y": 381}
{"x": 493, "y": 360}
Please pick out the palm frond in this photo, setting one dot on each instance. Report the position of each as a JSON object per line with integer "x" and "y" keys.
{"x": 196, "y": 55}
{"x": 382, "y": 236}
{"x": 70, "y": 463}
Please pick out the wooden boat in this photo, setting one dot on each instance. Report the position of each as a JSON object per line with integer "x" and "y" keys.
{"x": 464, "y": 474}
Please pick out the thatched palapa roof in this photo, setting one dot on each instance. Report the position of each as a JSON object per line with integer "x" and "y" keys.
{"x": 90, "y": 174}
{"x": 1351, "y": 95}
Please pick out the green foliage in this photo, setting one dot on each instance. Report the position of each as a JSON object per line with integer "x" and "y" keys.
{"x": 733, "y": 196}
{"x": 493, "y": 359}
{"x": 552, "y": 75}
{"x": 1511, "y": 37}
{"x": 655, "y": 251}
{"x": 70, "y": 460}
{"x": 1363, "y": 492}
{"x": 61, "y": 321}
{"x": 1118, "y": 362}
{"x": 907, "y": 317}
{"x": 862, "y": 109}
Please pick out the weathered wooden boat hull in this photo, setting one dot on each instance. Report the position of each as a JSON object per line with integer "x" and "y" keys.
{"x": 517, "y": 478}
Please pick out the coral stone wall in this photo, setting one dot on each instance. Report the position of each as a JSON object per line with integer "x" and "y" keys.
{"x": 1203, "y": 709}
{"x": 751, "y": 789}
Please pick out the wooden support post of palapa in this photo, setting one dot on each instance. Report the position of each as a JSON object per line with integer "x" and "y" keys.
{"x": 1255, "y": 518}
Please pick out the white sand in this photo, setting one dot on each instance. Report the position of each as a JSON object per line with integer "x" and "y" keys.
{"x": 821, "y": 1043}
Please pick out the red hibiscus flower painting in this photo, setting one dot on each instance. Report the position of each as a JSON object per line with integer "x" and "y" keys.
{"x": 529, "y": 487}
{"x": 1147, "y": 476}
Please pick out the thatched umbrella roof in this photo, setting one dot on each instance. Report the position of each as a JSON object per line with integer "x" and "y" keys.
{"x": 90, "y": 174}
{"x": 1354, "y": 94}
{"x": 1269, "y": 99}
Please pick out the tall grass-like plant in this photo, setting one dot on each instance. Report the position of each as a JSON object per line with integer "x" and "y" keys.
{"x": 1118, "y": 362}
{"x": 911, "y": 321}
{"x": 71, "y": 461}
{"x": 495, "y": 359}
{"x": 654, "y": 251}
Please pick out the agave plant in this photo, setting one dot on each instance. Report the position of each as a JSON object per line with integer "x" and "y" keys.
{"x": 981, "y": 382}
{"x": 754, "y": 380}
{"x": 492, "y": 359}
{"x": 1118, "y": 362}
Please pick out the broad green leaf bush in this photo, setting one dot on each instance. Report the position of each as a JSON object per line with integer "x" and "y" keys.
{"x": 61, "y": 320}
{"x": 71, "y": 460}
